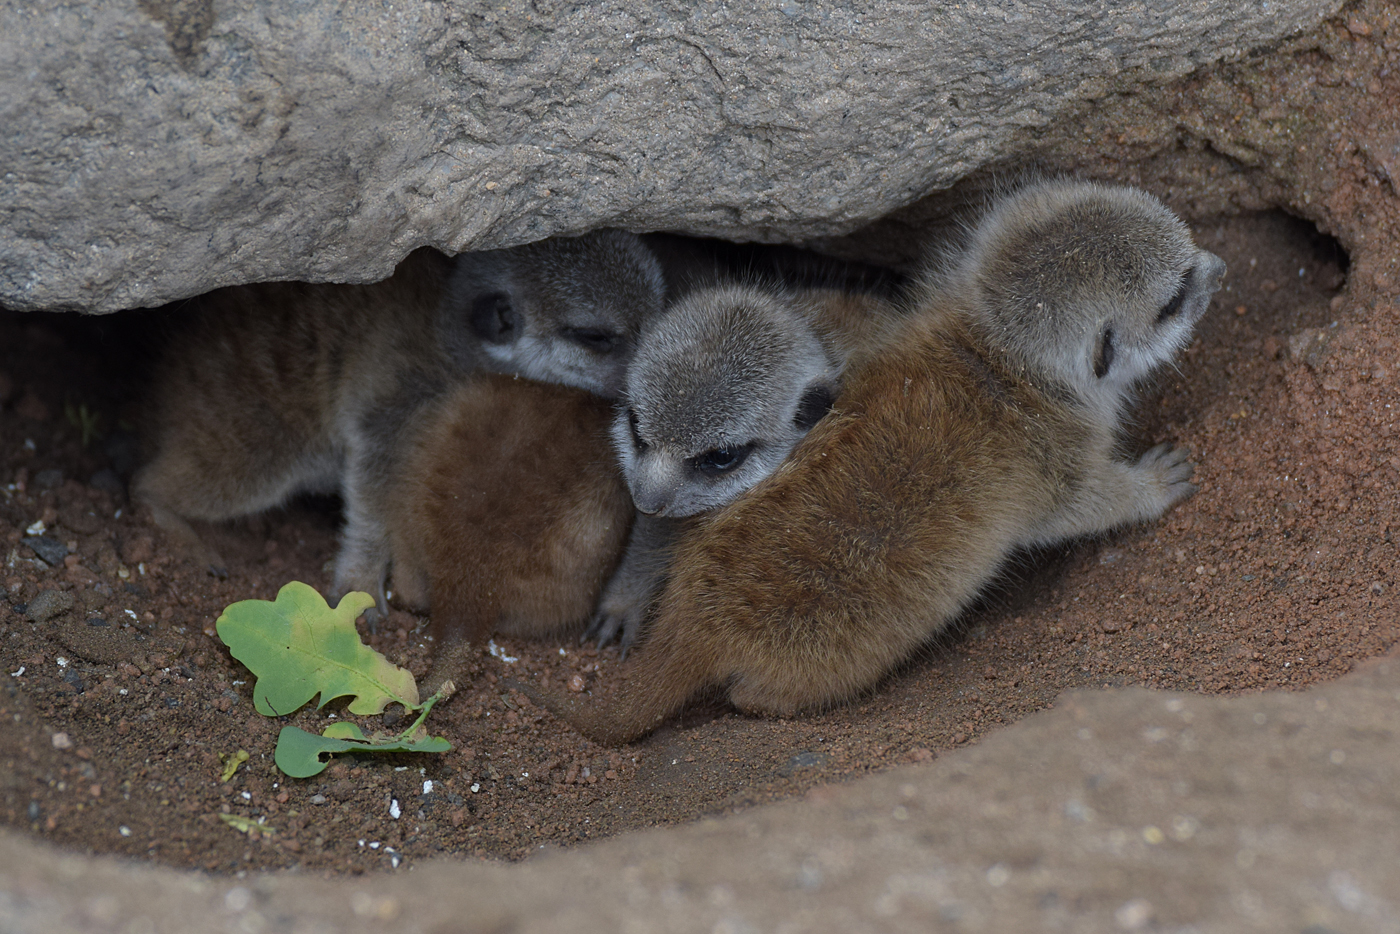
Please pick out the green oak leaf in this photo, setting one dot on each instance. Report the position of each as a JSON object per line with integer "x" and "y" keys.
{"x": 298, "y": 647}
{"x": 299, "y": 753}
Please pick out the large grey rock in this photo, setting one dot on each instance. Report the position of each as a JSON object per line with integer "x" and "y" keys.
{"x": 160, "y": 148}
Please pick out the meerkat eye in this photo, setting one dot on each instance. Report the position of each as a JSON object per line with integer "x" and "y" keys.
{"x": 636, "y": 434}
{"x": 594, "y": 339}
{"x": 493, "y": 318}
{"x": 721, "y": 460}
{"x": 1104, "y": 358}
{"x": 816, "y": 402}
{"x": 1173, "y": 306}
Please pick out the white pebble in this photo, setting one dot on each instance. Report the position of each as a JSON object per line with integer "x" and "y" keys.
{"x": 394, "y": 810}
{"x": 497, "y": 651}
{"x": 61, "y": 741}
{"x": 428, "y": 787}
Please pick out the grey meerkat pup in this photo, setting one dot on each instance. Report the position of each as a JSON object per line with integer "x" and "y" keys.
{"x": 987, "y": 423}
{"x": 509, "y": 511}
{"x": 282, "y": 388}
{"x": 722, "y": 387}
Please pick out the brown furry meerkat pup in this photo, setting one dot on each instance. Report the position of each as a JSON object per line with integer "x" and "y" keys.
{"x": 510, "y": 511}
{"x": 987, "y": 424}
{"x": 722, "y": 387}
{"x": 283, "y": 388}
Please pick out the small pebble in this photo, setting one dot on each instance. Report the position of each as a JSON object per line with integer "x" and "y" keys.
{"x": 48, "y": 604}
{"x": 318, "y": 799}
{"x": 61, "y": 741}
{"x": 51, "y": 550}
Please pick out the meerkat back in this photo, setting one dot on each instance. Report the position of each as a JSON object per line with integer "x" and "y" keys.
{"x": 986, "y": 423}
{"x": 511, "y": 511}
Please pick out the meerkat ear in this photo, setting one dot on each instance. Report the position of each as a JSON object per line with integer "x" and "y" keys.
{"x": 493, "y": 319}
{"x": 1103, "y": 357}
{"x": 817, "y": 400}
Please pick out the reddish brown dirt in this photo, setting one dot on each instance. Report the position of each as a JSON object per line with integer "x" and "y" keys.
{"x": 1281, "y": 572}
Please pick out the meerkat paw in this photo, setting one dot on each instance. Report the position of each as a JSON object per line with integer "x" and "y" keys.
{"x": 615, "y": 620}
{"x": 1168, "y": 469}
{"x": 372, "y": 584}
{"x": 190, "y": 541}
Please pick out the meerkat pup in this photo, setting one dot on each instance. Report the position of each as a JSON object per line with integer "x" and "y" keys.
{"x": 985, "y": 424}
{"x": 722, "y": 387}
{"x": 510, "y": 511}
{"x": 284, "y": 388}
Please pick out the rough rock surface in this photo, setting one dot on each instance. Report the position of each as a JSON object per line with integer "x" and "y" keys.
{"x": 158, "y": 149}
{"x": 1122, "y": 810}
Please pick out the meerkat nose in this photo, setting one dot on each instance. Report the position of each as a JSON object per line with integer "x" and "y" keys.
{"x": 1214, "y": 269}
{"x": 650, "y": 499}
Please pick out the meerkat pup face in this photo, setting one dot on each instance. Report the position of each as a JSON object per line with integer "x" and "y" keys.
{"x": 566, "y": 310}
{"x": 722, "y": 387}
{"x": 1097, "y": 284}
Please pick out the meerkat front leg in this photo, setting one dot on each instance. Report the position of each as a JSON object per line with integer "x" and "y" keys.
{"x": 373, "y": 450}
{"x": 636, "y": 583}
{"x": 1117, "y": 494}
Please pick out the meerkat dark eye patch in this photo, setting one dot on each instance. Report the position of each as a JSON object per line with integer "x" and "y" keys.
{"x": 594, "y": 339}
{"x": 1172, "y": 307}
{"x": 1104, "y": 358}
{"x": 493, "y": 319}
{"x": 816, "y": 402}
{"x": 720, "y": 461}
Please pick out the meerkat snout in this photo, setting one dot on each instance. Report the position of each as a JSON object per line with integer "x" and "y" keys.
{"x": 566, "y": 310}
{"x": 721, "y": 388}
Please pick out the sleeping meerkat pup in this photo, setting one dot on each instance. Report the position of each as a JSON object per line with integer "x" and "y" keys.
{"x": 722, "y": 387}
{"x": 986, "y": 423}
{"x": 283, "y": 388}
{"x": 509, "y": 512}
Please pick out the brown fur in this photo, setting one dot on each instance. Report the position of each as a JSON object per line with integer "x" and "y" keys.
{"x": 245, "y": 402}
{"x": 511, "y": 512}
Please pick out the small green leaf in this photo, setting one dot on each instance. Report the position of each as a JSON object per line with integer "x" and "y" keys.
{"x": 345, "y": 730}
{"x": 231, "y": 763}
{"x": 299, "y": 753}
{"x": 246, "y": 824}
{"x": 299, "y": 647}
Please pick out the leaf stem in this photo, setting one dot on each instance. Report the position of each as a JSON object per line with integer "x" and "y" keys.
{"x": 443, "y": 693}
